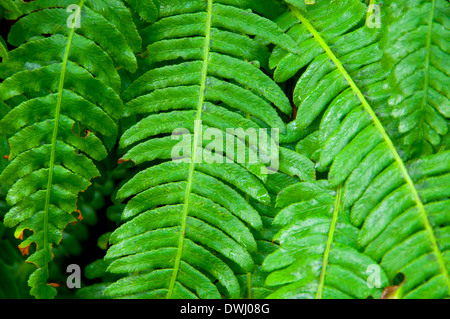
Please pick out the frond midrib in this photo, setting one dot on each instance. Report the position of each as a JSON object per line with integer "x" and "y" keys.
{"x": 330, "y": 240}
{"x": 385, "y": 135}
{"x": 55, "y": 132}
{"x": 197, "y": 131}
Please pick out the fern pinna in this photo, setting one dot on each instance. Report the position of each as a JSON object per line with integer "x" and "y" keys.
{"x": 63, "y": 90}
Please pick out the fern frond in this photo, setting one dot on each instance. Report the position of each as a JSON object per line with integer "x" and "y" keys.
{"x": 318, "y": 255}
{"x": 416, "y": 45}
{"x": 379, "y": 186}
{"x": 353, "y": 44}
{"x": 62, "y": 90}
{"x": 403, "y": 236}
{"x": 188, "y": 223}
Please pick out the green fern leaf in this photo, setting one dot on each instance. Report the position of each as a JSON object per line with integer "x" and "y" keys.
{"x": 318, "y": 255}
{"x": 322, "y": 82}
{"x": 188, "y": 223}
{"x": 379, "y": 186}
{"x": 419, "y": 230}
{"x": 56, "y": 86}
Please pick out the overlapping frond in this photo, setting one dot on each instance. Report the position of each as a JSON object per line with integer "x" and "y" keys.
{"x": 318, "y": 255}
{"x": 61, "y": 89}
